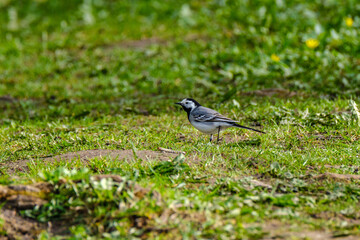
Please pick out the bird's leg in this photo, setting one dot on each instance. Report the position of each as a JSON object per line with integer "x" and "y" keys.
{"x": 210, "y": 137}
{"x": 218, "y": 134}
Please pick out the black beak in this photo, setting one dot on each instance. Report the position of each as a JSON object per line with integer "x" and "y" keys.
{"x": 179, "y": 103}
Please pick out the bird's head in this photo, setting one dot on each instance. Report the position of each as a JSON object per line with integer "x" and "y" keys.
{"x": 188, "y": 104}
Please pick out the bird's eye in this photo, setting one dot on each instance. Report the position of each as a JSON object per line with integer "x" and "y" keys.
{"x": 186, "y": 102}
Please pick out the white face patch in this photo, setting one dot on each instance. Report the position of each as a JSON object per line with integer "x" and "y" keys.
{"x": 188, "y": 104}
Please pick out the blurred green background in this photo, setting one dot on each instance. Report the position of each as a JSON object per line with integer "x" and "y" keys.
{"x": 84, "y": 75}
{"x": 94, "y": 57}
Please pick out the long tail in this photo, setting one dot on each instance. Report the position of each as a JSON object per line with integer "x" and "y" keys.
{"x": 239, "y": 126}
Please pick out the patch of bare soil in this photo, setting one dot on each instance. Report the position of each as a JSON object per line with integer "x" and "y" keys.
{"x": 86, "y": 155}
{"x": 147, "y": 42}
{"x": 141, "y": 43}
{"x": 272, "y": 92}
{"x": 7, "y": 99}
{"x": 320, "y": 136}
{"x": 328, "y": 215}
{"x": 337, "y": 176}
{"x": 282, "y": 230}
{"x": 353, "y": 168}
{"x": 248, "y": 185}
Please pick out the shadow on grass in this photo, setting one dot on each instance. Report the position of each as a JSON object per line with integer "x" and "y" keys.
{"x": 243, "y": 143}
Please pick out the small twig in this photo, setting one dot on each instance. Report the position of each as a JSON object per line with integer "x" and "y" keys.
{"x": 170, "y": 151}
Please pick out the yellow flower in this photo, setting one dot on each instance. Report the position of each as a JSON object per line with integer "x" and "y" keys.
{"x": 312, "y": 43}
{"x": 349, "y": 21}
{"x": 275, "y": 58}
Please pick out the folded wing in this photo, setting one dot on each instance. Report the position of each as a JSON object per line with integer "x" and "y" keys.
{"x": 204, "y": 114}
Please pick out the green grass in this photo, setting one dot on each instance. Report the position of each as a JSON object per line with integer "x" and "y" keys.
{"x": 105, "y": 74}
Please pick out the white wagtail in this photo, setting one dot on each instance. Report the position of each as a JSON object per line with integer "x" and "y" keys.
{"x": 207, "y": 120}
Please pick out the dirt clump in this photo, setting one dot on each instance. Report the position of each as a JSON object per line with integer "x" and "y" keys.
{"x": 18, "y": 227}
{"x": 86, "y": 155}
{"x": 21, "y": 197}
